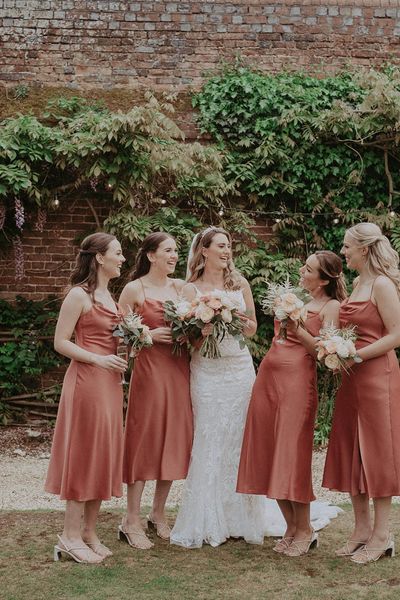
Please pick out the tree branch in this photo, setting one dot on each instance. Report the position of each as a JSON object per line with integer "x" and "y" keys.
{"x": 389, "y": 177}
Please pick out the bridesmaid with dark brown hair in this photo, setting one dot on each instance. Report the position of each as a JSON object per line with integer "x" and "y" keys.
{"x": 278, "y": 440}
{"x": 159, "y": 422}
{"x": 364, "y": 449}
{"x": 86, "y": 456}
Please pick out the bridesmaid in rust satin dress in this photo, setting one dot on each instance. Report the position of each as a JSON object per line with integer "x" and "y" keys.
{"x": 278, "y": 440}
{"x": 159, "y": 422}
{"x": 364, "y": 449}
{"x": 86, "y": 456}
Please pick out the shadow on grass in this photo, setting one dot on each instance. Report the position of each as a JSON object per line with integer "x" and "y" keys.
{"x": 234, "y": 570}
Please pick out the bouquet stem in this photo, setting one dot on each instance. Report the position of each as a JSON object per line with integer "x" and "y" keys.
{"x": 282, "y": 335}
{"x": 210, "y": 348}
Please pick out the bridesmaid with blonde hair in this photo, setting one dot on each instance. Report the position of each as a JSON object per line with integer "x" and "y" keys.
{"x": 86, "y": 456}
{"x": 364, "y": 449}
{"x": 159, "y": 423}
{"x": 278, "y": 439}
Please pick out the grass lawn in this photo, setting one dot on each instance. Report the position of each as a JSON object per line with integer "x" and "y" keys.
{"x": 234, "y": 570}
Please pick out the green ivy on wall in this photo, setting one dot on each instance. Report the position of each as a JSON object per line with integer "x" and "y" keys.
{"x": 314, "y": 155}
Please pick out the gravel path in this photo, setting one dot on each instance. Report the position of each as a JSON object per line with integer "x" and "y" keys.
{"x": 22, "y": 480}
{"x": 24, "y": 458}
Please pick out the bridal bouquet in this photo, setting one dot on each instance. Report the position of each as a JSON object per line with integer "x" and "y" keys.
{"x": 285, "y": 301}
{"x": 133, "y": 333}
{"x": 189, "y": 318}
{"x": 335, "y": 346}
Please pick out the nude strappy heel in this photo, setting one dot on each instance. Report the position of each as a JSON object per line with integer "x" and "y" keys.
{"x": 135, "y": 538}
{"x": 162, "y": 529}
{"x": 63, "y": 548}
{"x": 365, "y": 555}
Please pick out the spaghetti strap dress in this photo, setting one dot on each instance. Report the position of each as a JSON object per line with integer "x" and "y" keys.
{"x": 159, "y": 421}
{"x": 364, "y": 448}
{"x": 277, "y": 446}
{"x": 87, "y": 449}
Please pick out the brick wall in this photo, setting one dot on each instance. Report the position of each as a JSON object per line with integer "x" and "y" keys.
{"x": 49, "y": 256}
{"x": 104, "y": 43}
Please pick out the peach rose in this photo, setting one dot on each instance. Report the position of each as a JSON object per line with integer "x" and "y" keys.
{"x": 289, "y": 298}
{"x": 332, "y": 362}
{"x": 288, "y": 306}
{"x": 214, "y": 303}
{"x": 204, "y": 313}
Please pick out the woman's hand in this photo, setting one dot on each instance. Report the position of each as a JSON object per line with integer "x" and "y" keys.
{"x": 162, "y": 335}
{"x": 111, "y": 362}
{"x": 249, "y": 325}
{"x": 292, "y": 326}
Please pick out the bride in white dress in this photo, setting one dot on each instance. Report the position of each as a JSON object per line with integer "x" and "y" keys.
{"x": 211, "y": 511}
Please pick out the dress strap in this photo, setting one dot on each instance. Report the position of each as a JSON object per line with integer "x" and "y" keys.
{"x": 144, "y": 293}
{"x": 372, "y": 288}
{"x": 197, "y": 289}
{"x": 323, "y": 306}
{"x": 175, "y": 288}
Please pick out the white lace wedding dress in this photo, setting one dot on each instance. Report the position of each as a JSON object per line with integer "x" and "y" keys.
{"x": 211, "y": 510}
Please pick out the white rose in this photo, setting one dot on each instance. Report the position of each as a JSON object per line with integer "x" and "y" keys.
{"x": 226, "y": 315}
{"x": 351, "y": 347}
{"x": 299, "y": 303}
{"x": 204, "y": 313}
{"x": 342, "y": 350}
{"x": 182, "y": 308}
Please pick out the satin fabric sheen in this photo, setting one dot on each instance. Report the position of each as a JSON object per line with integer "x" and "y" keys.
{"x": 159, "y": 421}
{"x": 86, "y": 455}
{"x": 364, "y": 448}
{"x": 278, "y": 439}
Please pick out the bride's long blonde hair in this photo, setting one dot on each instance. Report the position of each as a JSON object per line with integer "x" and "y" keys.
{"x": 197, "y": 262}
{"x": 381, "y": 258}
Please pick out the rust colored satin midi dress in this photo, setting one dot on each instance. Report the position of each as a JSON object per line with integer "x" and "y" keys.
{"x": 87, "y": 450}
{"x": 278, "y": 439}
{"x": 159, "y": 421}
{"x": 364, "y": 447}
